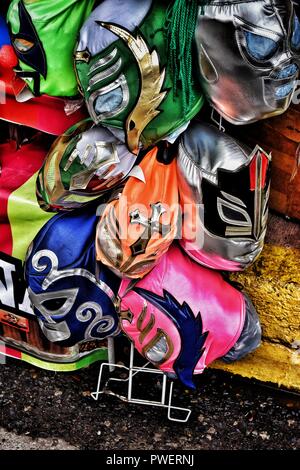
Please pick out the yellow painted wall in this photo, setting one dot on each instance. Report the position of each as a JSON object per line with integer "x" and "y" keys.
{"x": 273, "y": 284}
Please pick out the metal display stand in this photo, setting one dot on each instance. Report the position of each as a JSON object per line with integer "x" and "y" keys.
{"x": 166, "y": 399}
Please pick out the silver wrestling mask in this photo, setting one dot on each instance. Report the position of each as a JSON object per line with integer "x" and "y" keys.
{"x": 249, "y": 56}
{"x": 224, "y": 190}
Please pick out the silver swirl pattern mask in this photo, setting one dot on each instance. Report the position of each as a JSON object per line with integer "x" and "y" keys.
{"x": 71, "y": 304}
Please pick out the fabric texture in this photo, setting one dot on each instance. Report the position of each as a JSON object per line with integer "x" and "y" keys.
{"x": 44, "y": 35}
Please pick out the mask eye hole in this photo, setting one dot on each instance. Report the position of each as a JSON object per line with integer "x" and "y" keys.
{"x": 54, "y": 305}
{"x": 160, "y": 348}
{"x": 109, "y": 102}
{"x": 295, "y": 41}
{"x": 208, "y": 70}
{"x": 232, "y": 214}
{"x": 260, "y": 47}
{"x": 22, "y": 45}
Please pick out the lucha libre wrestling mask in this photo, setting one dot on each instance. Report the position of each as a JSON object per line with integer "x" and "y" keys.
{"x": 224, "y": 191}
{"x": 44, "y": 113}
{"x": 44, "y": 35}
{"x": 71, "y": 296}
{"x": 82, "y": 164}
{"x": 182, "y": 316}
{"x": 123, "y": 72}
{"x": 249, "y": 56}
{"x": 138, "y": 226}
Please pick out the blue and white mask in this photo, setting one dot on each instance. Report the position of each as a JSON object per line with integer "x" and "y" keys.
{"x": 72, "y": 297}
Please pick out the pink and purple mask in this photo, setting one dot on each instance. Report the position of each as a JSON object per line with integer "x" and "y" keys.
{"x": 181, "y": 316}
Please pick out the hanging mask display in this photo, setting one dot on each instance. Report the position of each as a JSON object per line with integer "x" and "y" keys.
{"x": 249, "y": 56}
{"x": 123, "y": 72}
{"x": 137, "y": 228}
{"x": 72, "y": 297}
{"x": 82, "y": 164}
{"x": 182, "y": 316}
{"x": 44, "y": 35}
{"x": 224, "y": 192}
